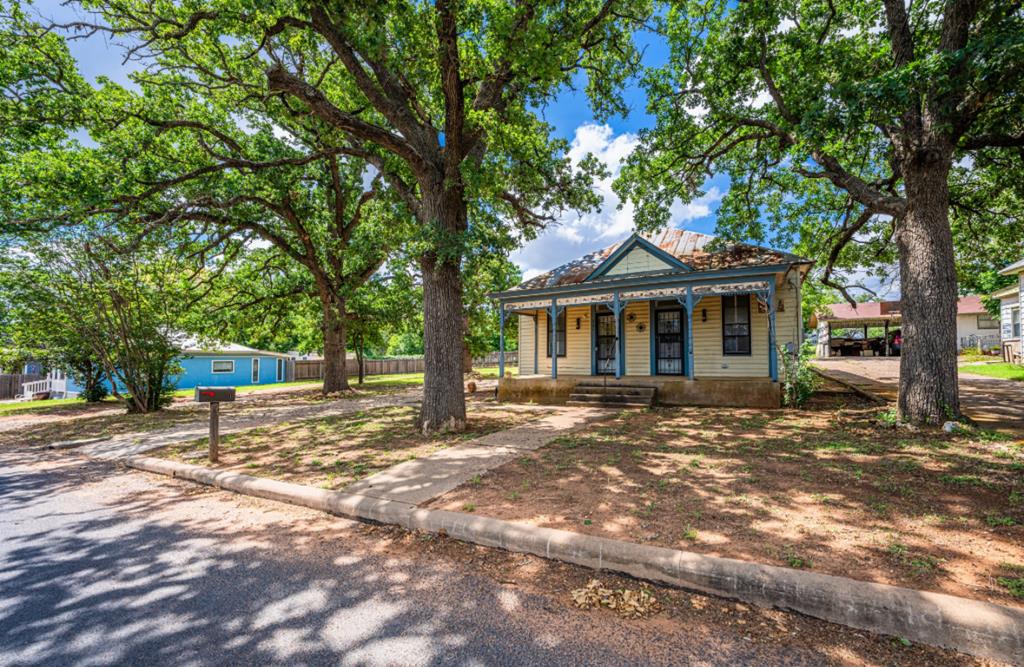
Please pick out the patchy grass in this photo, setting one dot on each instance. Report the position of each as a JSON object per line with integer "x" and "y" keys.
{"x": 973, "y": 356}
{"x": 250, "y": 388}
{"x": 55, "y": 405}
{"x": 834, "y": 487}
{"x": 333, "y": 452}
{"x": 1002, "y": 370}
{"x": 53, "y": 428}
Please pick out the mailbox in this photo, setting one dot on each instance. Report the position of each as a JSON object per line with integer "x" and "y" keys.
{"x": 214, "y": 394}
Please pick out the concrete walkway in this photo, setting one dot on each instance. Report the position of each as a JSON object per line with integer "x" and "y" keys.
{"x": 132, "y": 444}
{"x": 991, "y": 402}
{"x": 418, "y": 481}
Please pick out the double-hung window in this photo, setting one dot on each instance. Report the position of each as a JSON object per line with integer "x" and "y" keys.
{"x": 1015, "y": 322}
{"x": 736, "y": 324}
{"x": 559, "y": 334}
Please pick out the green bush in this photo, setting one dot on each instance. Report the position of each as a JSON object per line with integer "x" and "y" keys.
{"x": 799, "y": 381}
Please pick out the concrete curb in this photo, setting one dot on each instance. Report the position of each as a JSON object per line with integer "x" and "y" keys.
{"x": 973, "y": 627}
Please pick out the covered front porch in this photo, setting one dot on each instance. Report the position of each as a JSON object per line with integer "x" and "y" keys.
{"x": 756, "y": 392}
{"x": 698, "y": 341}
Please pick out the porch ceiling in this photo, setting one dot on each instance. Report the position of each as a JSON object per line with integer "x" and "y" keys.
{"x": 606, "y": 296}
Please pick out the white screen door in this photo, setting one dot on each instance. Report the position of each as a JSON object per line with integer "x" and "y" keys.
{"x": 255, "y": 371}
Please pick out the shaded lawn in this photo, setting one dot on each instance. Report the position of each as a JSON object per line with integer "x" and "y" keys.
{"x": 833, "y": 487}
{"x": 332, "y": 452}
{"x": 63, "y": 405}
{"x": 107, "y": 424}
{"x": 1002, "y": 370}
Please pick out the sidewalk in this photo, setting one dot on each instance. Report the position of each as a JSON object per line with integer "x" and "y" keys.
{"x": 416, "y": 482}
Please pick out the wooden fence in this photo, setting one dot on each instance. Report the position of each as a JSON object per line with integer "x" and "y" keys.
{"x": 491, "y": 359}
{"x": 10, "y": 384}
{"x": 314, "y": 369}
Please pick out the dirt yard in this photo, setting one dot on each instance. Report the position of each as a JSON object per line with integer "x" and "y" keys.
{"x": 835, "y": 487}
{"x": 82, "y": 420}
{"x": 333, "y": 452}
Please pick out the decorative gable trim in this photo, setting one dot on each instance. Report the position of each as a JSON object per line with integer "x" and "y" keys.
{"x": 633, "y": 242}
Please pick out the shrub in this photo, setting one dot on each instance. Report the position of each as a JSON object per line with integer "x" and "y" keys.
{"x": 799, "y": 381}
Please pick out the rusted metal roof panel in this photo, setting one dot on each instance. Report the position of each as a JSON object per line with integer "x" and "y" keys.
{"x": 691, "y": 248}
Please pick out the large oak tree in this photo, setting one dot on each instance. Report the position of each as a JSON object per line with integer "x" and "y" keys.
{"x": 443, "y": 98}
{"x": 841, "y": 121}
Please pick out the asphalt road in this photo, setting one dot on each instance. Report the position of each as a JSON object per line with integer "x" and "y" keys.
{"x": 105, "y": 566}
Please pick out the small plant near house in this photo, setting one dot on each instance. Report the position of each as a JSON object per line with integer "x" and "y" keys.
{"x": 1014, "y": 583}
{"x": 799, "y": 381}
{"x": 796, "y": 560}
{"x": 469, "y": 507}
{"x": 889, "y": 417}
{"x": 690, "y": 534}
{"x": 1000, "y": 521}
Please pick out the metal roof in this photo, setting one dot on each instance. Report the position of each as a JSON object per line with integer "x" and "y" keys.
{"x": 691, "y": 248}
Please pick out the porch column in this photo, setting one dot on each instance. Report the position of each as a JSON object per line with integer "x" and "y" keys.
{"x": 553, "y": 338}
{"x": 689, "y": 332}
{"x": 617, "y": 307}
{"x": 887, "y": 338}
{"x": 773, "y": 362}
{"x": 501, "y": 340}
{"x": 536, "y": 343}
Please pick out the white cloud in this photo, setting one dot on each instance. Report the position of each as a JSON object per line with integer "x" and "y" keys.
{"x": 575, "y": 235}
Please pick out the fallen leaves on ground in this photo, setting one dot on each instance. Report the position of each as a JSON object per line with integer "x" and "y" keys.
{"x": 627, "y": 603}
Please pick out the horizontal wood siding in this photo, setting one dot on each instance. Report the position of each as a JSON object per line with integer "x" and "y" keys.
{"x": 525, "y": 345}
{"x": 637, "y": 260}
{"x": 577, "y": 343}
{"x": 638, "y": 343}
{"x": 787, "y": 322}
{"x": 708, "y": 360}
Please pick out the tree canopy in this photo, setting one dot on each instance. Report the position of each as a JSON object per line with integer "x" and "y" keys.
{"x": 839, "y": 124}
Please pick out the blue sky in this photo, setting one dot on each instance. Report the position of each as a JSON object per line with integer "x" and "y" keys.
{"x": 571, "y": 118}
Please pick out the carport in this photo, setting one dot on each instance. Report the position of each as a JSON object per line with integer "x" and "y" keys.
{"x": 840, "y": 323}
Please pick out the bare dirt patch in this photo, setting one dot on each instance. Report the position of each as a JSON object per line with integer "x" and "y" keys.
{"x": 834, "y": 487}
{"x": 333, "y": 452}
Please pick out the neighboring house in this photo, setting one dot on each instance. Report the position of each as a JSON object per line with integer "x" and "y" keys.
{"x": 1011, "y": 300}
{"x": 225, "y": 365}
{"x": 843, "y": 329}
{"x": 663, "y": 312}
{"x": 975, "y": 327}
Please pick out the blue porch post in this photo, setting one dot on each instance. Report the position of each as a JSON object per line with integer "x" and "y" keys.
{"x": 536, "y": 343}
{"x": 501, "y": 340}
{"x": 689, "y": 332}
{"x": 553, "y": 338}
{"x": 773, "y": 362}
{"x": 617, "y": 307}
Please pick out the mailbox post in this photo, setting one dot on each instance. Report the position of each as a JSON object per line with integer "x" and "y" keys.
{"x": 214, "y": 396}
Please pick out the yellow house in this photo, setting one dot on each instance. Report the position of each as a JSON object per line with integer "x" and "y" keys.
{"x": 670, "y": 318}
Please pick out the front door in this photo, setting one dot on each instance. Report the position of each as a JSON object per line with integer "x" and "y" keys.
{"x": 255, "y": 371}
{"x": 668, "y": 332}
{"x": 605, "y": 342}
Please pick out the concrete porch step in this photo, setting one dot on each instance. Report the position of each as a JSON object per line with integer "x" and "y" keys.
{"x": 606, "y": 404}
{"x": 611, "y": 395}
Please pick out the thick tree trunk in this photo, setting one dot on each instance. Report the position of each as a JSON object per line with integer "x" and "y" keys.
{"x": 444, "y": 405}
{"x": 928, "y": 390}
{"x": 335, "y": 365}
